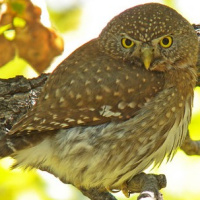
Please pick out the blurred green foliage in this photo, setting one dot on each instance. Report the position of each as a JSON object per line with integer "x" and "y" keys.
{"x": 18, "y": 7}
{"x": 65, "y": 20}
{"x": 15, "y": 67}
{"x": 18, "y": 185}
{"x": 195, "y": 122}
{"x": 171, "y": 3}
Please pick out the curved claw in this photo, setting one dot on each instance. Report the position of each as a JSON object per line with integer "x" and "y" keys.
{"x": 125, "y": 190}
{"x": 112, "y": 190}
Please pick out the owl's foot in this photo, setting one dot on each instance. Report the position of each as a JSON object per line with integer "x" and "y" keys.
{"x": 125, "y": 190}
{"x": 112, "y": 190}
{"x": 148, "y": 185}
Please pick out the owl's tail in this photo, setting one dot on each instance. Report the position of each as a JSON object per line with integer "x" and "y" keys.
{"x": 8, "y": 145}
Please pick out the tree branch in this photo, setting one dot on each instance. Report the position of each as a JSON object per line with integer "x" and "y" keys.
{"x": 17, "y": 96}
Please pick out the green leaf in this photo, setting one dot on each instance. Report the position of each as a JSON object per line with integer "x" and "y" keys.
{"x": 65, "y": 20}
{"x": 19, "y": 22}
{"x": 17, "y": 7}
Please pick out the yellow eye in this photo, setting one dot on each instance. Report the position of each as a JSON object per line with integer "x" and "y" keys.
{"x": 127, "y": 43}
{"x": 166, "y": 42}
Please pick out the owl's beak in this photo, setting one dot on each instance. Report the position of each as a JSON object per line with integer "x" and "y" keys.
{"x": 147, "y": 56}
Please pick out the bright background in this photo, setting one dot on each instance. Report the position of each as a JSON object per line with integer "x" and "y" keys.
{"x": 79, "y": 21}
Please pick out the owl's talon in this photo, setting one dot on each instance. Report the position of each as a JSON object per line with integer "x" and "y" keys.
{"x": 112, "y": 190}
{"x": 124, "y": 189}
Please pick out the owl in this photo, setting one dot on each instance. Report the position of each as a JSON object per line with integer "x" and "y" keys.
{"x": 116, "y": 105}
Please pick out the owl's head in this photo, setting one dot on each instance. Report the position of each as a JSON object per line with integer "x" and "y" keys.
{"x": 151, "y": 35}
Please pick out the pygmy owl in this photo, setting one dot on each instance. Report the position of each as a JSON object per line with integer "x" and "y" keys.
{"x": 116, "y": 105}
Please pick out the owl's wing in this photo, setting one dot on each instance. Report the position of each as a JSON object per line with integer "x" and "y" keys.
{"x": 90, "y": 88}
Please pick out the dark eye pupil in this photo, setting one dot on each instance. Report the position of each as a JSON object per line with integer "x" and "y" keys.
{"x": 165, "y": 41}
{"x": 128, "y": 42}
